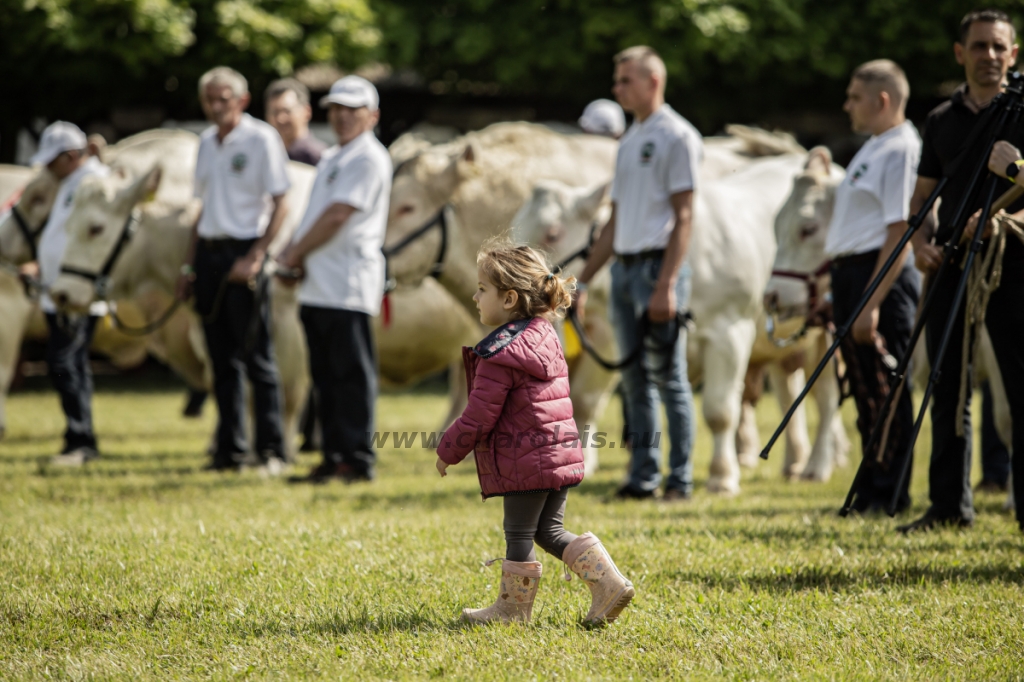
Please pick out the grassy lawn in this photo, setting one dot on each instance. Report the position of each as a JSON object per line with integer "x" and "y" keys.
{"x": 141, "y": 565}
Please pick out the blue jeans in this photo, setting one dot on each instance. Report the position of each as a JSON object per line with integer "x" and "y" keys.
{"x": 659, "y": 373}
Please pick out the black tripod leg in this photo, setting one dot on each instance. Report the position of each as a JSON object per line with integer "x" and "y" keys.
{"x": 841, "y": 333}
{"x": 947, "y": 333}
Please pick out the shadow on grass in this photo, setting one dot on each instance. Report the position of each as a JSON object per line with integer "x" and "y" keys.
{"x": 839, "y": 579}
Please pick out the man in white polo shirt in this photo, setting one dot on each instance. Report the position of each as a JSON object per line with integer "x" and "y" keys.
{"x": 871, "y": 211}
{"x": 241, "y": 178}
{"x": 337, "y": 249}
{"x": 63, "y": 149}
{"x": 649, "y": 234}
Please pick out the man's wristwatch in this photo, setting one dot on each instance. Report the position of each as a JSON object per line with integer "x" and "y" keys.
{"x": 188, "y": 271}
{"x": 1013, "y": 170}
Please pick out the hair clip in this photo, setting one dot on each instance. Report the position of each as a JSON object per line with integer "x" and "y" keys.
{"x": 551, "y": 275}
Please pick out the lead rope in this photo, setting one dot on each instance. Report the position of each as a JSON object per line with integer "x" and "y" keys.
{"x": 979, "y": 289}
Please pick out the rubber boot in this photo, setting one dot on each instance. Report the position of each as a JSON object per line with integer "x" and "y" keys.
{"x": 519, "y": 582}
{"x": 610, "y": 592}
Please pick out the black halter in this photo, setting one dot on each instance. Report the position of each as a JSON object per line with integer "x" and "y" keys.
{"x": 440, "y": 219}
{"x": 101, "y": 279}
{"x": 27, "y": 232}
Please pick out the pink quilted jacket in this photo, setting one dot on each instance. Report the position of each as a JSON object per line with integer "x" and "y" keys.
{"x": 519, "y": 417}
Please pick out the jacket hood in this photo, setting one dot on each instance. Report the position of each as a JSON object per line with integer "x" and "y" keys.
{"x": 530, "y": 345}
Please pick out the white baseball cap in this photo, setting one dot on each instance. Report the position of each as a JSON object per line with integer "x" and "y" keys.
{"x": 603, "y": 117}
{"x": 352, "y": 91}
{"x": 59, "y": 137}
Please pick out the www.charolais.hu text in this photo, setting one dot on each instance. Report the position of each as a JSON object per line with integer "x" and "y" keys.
{"x": 430, "y": 440}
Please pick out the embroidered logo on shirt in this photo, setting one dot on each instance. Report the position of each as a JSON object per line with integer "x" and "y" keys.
{"x": 646, "y": 153}
{"x": 332, "y": 175}
{"x": 859, "y": 173}
{"x": 238, "y": 162}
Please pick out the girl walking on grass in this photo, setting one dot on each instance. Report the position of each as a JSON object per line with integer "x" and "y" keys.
{"x": 519, "y": 422}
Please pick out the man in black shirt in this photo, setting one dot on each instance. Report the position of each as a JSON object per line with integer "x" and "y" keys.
{"x": 987, "y": 49}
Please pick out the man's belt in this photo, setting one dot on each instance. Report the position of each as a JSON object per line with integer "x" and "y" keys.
{"x": 856, "y": 259}
{"x": 640, "y": 256}
{"x": 226, "y": 243}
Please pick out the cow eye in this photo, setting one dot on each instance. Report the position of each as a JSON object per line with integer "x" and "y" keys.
{"x": 95, "y": 230}
{"x": 405, "y": 210}
{"x": 808, "y": 231}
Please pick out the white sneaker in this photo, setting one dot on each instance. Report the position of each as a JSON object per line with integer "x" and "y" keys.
{"x": 74, "y": 458}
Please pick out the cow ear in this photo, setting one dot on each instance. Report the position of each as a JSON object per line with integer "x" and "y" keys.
{"x": 819, "y": 161}
{"x": 143, "y": 189}
{"x": 588, "y": 205}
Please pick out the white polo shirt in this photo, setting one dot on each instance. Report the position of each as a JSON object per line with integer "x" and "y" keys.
{"x": 875, "y": 193}
{"x": 54, "y": 239}
{"x": 236, "y": 179}
{"x": 657, "y": 158}
{"x": 348, "y": 271}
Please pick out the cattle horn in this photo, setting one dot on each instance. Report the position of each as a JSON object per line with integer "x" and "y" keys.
{"x": 819, "y": 160}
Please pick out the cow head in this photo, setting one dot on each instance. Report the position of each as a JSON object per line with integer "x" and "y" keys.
{"x": 558, "y": 218}
{"x": 421, "y": 188}
{"x": 801, "y": 226}
{"x": 34, "y": 206}
{"x": 99, "y": 217}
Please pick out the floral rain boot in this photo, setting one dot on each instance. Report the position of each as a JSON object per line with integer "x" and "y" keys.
{"x": 519, "y": 582}
{"x": 610, "y": 592}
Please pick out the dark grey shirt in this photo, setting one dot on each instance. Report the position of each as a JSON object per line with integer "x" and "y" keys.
{"x": 306, "y": 150}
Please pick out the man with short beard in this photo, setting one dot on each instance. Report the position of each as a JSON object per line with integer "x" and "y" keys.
{"x": 987, "y": 49}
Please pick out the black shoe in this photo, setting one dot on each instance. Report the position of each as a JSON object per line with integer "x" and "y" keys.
{"x": 359, "y": 474}
{"x": 991, "y": 488}
{"x": 930, "y": 522}
{"x": 628, "y": 492}
{"x": 676, "y": 495}
{"x": 324, "y": 472}
{"x": 220, "y": 465}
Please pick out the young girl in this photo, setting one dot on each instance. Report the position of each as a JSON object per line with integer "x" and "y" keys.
{"x": 519, "y": 422}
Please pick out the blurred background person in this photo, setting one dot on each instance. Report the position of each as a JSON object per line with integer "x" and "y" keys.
{"x": 603, "y": 117}
{"x": 288, "y": 110}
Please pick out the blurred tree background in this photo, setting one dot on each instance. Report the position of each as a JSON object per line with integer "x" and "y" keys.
{"x": 774, "y": 62}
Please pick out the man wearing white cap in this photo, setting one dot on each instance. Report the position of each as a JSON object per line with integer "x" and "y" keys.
{"x": 603, "y": 117}
{"x": 337, "y": 248}
{"x": 241, "y": 178}
{"x": 63, "y": 151}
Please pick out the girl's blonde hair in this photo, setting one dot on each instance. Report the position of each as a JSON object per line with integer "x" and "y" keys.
{"x": 517, "y": 267}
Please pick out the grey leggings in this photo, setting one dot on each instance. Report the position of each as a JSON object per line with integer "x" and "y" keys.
{"x": 537, "y": 516}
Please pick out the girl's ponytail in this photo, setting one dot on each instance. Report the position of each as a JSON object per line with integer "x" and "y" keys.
{"x": 519, "y": 268}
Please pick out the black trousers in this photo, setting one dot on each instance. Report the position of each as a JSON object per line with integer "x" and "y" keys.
{"x": 995, "y": 457}
{"x": 343, "y": 362}
{"x": 895, "y": 325}
{"x": 950, "y": 469}
{"x": 237, "y": 329}
{"x": 67, "y": 356}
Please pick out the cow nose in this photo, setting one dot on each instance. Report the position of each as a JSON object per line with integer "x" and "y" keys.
{"x": 552, "y": 234}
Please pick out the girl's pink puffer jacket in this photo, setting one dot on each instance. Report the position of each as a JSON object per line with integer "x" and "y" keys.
{"x": 519, "y": 417}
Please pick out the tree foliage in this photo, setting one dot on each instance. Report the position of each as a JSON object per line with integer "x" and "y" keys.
{"x": 734, "y": 60}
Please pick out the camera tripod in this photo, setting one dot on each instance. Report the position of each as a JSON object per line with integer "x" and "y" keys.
{"x": 1002, "y": 114}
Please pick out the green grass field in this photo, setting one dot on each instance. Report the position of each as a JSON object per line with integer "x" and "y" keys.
{"x": 141, "y": 565}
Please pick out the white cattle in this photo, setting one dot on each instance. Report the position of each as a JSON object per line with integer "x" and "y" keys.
{"x": 474, "y": 182}
{"x": 802, "y": 228}
{"x": 21, "y": 315}
{"x": 147, "y": 271}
